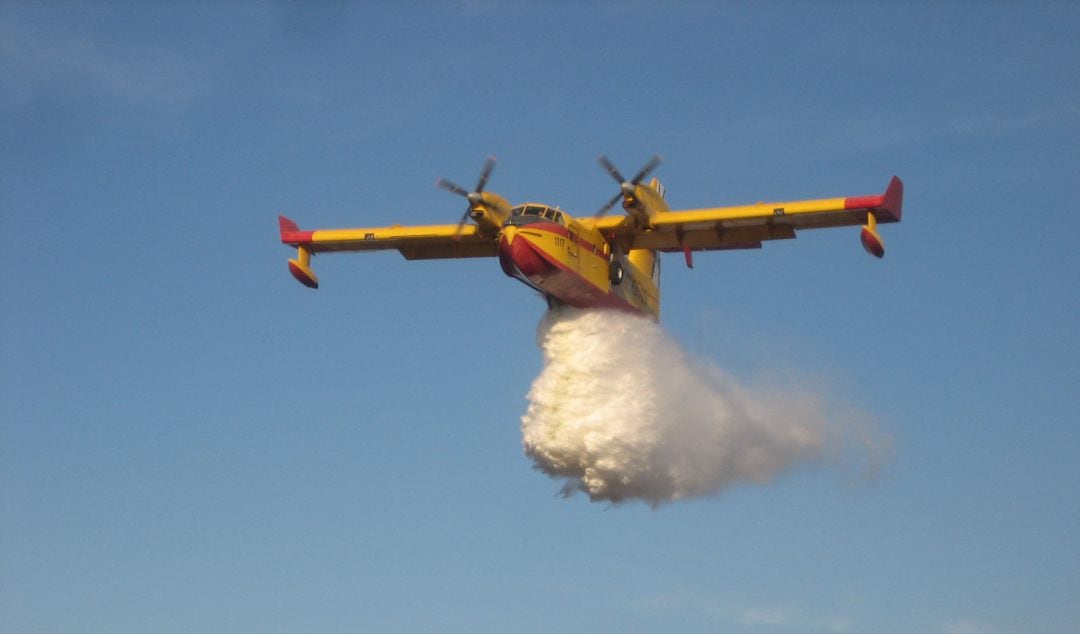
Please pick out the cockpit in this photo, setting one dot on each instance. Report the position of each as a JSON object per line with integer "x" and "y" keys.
{"x": 530, "y": 213}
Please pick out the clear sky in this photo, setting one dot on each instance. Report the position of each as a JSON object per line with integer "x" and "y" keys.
{"x": 192, "y": 442}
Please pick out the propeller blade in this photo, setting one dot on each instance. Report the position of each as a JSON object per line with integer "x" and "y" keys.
{"x": 452, "y": 187}
{"x": 475, "y": 197}
{"x": 489, "y": 165}
{"x": 461, "y": 223}
{"x": 626, "y": 186}
{"x": 645, "y": 171}
{"x": 611, "y": 203}
{"x": 611, "y": 169}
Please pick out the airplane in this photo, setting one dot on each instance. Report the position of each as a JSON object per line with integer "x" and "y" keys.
{"x": 600, "y": 261}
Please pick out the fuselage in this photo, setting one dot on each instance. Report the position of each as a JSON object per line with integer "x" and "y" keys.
{"x": 570, "y": 262}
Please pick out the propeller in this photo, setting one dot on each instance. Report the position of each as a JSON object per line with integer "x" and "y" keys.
{"x": 626, "y": 187}
{"x": 474, "y": 197}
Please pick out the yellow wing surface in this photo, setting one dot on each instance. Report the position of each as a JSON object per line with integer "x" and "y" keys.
{"x": 422, "y": 242}
{"x": 650, "y": 225}
{"x": 746, "y": 227}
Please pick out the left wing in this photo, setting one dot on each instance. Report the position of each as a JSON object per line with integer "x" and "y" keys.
{"x": 415, "y": 243}
{"x": 746, "y": 227}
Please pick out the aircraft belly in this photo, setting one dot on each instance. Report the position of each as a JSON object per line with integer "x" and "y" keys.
{"x": 553, "y": 272}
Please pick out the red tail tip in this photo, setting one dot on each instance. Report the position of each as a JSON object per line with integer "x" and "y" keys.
{"x": 284, "y": 224}
{"x": 893, "y": 202}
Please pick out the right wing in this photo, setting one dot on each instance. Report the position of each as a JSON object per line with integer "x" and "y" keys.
{"x": 746, "y": 227}
{"x": 423, "y": 242}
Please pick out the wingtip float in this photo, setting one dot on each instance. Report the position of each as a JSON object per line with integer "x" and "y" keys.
{"x": 887, "y": 207}
{"x": 598, "y": 261}
{"x": 301, "y": 266}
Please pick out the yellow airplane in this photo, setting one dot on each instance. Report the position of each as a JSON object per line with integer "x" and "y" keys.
{"x": 597, "y": 261}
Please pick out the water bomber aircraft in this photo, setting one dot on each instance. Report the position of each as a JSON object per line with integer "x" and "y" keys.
{"x": 599, "y": 261}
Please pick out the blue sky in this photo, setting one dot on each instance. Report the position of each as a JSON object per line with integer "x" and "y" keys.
{"x": 193, "y": 442}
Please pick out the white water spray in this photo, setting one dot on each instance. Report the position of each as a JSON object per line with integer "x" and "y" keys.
{"x": 620, "y": 412}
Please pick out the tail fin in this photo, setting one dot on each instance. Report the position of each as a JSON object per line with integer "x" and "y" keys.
{"x": 893, "y": 201}
{"x": 290, "y": 233}
{"x": 658, "y": 186}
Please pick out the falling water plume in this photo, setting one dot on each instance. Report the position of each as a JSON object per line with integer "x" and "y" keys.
{"x": 621, "y": 412}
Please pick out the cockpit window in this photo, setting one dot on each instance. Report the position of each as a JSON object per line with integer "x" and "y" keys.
{"x": 533, "y": 213}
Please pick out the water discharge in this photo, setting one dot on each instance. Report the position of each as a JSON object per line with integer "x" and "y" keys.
{"x": 621, "y": 412}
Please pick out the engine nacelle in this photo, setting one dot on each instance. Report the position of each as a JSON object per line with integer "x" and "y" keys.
{"x": 489, "y": 212}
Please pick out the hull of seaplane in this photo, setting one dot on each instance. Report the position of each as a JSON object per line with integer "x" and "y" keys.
{"x": 565, "y": 268}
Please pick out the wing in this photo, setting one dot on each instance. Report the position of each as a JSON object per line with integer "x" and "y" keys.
{"x": 423, "y": 242}
{"x": 748, "y": 226}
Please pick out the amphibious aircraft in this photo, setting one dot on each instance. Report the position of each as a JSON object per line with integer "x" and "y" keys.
{"x": 600, "y": 260}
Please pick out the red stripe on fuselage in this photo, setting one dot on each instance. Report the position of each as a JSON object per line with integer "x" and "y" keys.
{"x": 528, "y": 262}
{"x": 561, "y": 231}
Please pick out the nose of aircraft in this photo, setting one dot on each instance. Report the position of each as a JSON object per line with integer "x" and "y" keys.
{"x": 508, "y": 233}
{"x": 506, "y": 251}
{"x": 519, "y": 257}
